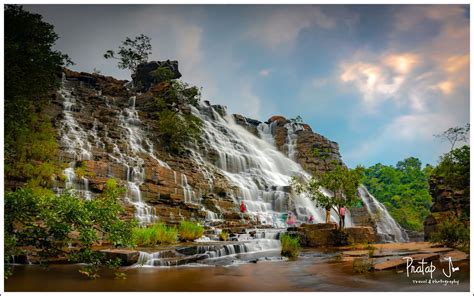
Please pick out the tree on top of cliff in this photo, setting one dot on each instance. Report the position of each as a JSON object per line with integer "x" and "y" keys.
{"x": 132, "y": 52}
{"x": 455, "y": 134}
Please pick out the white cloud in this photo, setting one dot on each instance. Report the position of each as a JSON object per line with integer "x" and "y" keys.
{"x": 374, "y": 81}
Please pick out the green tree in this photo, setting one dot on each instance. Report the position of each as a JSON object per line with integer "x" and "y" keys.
{"x": 341, "y": 184}
{"x": 403, "y": 189}
{"x": 176, "y": 125}
{"x": 454, "y": 167}
{"x": 132, "y": 52}
{"x": 50, "y": 223}
{"x": 297, "y": 120}
{"x": 32, "y": 74}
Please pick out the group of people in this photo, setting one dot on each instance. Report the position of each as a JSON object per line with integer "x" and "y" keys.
{"x": 289, "y": 219}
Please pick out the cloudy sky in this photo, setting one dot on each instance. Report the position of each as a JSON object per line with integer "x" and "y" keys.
{"x": 380, "y": 80}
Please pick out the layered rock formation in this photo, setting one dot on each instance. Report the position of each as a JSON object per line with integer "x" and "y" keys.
{"x": 99, "y": 104}
{"x": 298, "y": 142}
{"x": 107, "y": 129}
{"x": 448, "y": 203}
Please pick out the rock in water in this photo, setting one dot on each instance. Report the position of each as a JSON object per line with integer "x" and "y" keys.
{"x": 143, "y": 78}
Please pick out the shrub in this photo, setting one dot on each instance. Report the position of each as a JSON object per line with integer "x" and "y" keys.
{"x": 362, "y": 265}
{"x": 189, "y": 231}
{"x": 156, "y": 234}
{"x": 177, "y": 129}
{"x": 44, "y": 220}
{"x": 452, "y": 233}
{"x": 290, "y": 246}
{"x": 224, "y": 235}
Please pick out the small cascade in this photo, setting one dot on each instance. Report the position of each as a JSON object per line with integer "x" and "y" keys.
{"x": 207, "y": 251}
{"x": 189, "y": 194}
{"x": 134, "y": 163}
{"x": 75, "y": 144}
{"x": 291, "y": 139}
{"x": 387, "y": 228}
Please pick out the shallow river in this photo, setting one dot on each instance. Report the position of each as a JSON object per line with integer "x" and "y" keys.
{"x": 312, "y": 271}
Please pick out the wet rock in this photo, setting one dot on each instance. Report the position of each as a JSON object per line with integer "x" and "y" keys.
{"x": 127, "y": 257}
{"x": 21, "y": 259}
{"x": 361, "y": 234}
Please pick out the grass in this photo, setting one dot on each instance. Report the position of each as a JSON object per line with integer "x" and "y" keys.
{"x": 156, "y": 234}
{"x": 224, "y": 235}
{"x": 290, "y": 246}
{"x": 189, "y": 231}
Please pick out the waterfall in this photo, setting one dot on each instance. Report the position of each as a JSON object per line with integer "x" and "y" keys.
{"x": 76, "y": 144}
{"x": 205, "y": 252}
{"x": 291, "y": 139}
{"x": 258, "y": 172}
{"x": 254, "y": 165}
{"x": 387, "y": 228}
{"x": 76, "y": 147}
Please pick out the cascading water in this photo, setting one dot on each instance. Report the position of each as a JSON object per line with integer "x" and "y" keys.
{"x": 292, "y": 138}
{"x": 261, "y": 172}
{"x": 75, "y": 145}
{"x": 76, "y": 142}
{"x": 246, "y": 243}
{"x": 387, "y": 228}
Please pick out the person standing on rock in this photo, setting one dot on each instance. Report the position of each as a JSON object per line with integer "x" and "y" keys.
{"x": 342, "y": 215}
{"x": 328, "y": 213}
{"x": 243, "y": 209}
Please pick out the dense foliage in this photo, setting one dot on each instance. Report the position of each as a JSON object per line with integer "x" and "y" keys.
{"x": 453, "y": 171}
{"x": 53, "y": 223}
{"x": 452, "y": 233}
{"x": 176, "y": 125}
{"x": 132, "y": 52}
{"x": 403, "y": 189}
{"x": 32, "y": 73}
{"x": 454, "y": 167}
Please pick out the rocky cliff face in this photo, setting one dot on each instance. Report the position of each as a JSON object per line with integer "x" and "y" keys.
{"x": 108, "y": 130}
{"x": 448, "y": 203}
{"x": 104, "y": 137}
{"x": 297, "y": 141}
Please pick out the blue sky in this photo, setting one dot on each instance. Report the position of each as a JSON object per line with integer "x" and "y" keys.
{"x": 378, "y": 79}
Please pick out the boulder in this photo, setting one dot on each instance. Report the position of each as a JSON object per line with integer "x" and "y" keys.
{"x": 143, "y": 77}
{"x": 361, "y": 234}
{"x": 327, "y": 234}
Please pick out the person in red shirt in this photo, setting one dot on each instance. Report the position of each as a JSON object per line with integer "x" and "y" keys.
{"x": 342, "y": 214}
{"x": 243, "y": 208}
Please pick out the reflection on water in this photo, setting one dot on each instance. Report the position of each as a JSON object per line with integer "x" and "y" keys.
{"x": 313, "y": 271}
